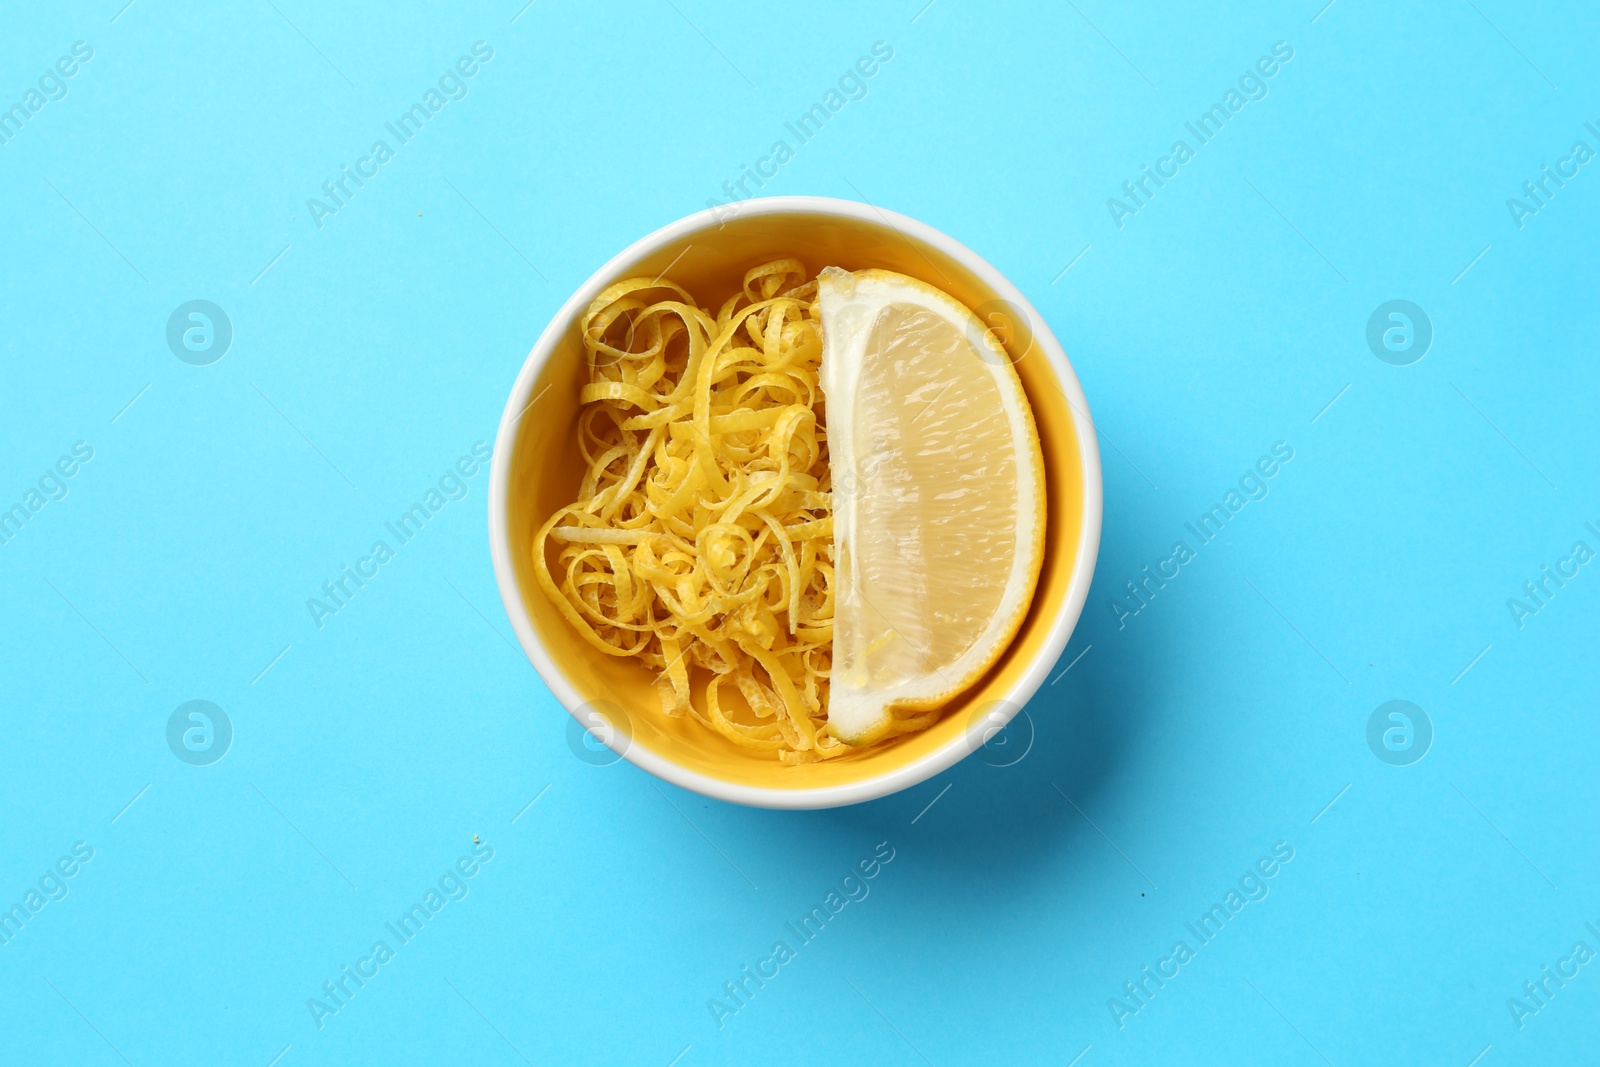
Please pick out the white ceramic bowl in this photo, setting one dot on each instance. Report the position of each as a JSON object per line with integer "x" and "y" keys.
{"x": 530, "y": 475}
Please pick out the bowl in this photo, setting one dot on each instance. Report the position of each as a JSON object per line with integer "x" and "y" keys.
{"x": 537, "y": 468}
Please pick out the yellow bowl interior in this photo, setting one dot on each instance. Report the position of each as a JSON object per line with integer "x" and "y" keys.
{"x": 546, "y": 469}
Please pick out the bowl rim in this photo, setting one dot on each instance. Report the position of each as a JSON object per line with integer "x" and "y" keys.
{"x": 1061, "y": 628}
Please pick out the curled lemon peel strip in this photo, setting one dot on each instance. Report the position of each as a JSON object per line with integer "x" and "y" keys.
{"x": 701, "y": 542}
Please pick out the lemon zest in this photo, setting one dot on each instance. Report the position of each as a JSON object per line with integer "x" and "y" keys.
{"x": 701, "y": 541}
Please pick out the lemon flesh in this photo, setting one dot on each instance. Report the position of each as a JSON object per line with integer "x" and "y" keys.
{"x": 938, "y": 497}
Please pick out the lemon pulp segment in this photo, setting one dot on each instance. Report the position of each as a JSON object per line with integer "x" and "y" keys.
{"x": 938, "y": 498}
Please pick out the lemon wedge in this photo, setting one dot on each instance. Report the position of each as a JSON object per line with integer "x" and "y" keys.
{"x": 938, "y": 497}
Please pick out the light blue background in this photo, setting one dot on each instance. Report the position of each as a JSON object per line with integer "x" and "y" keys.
{"x": 370, "y": 353}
